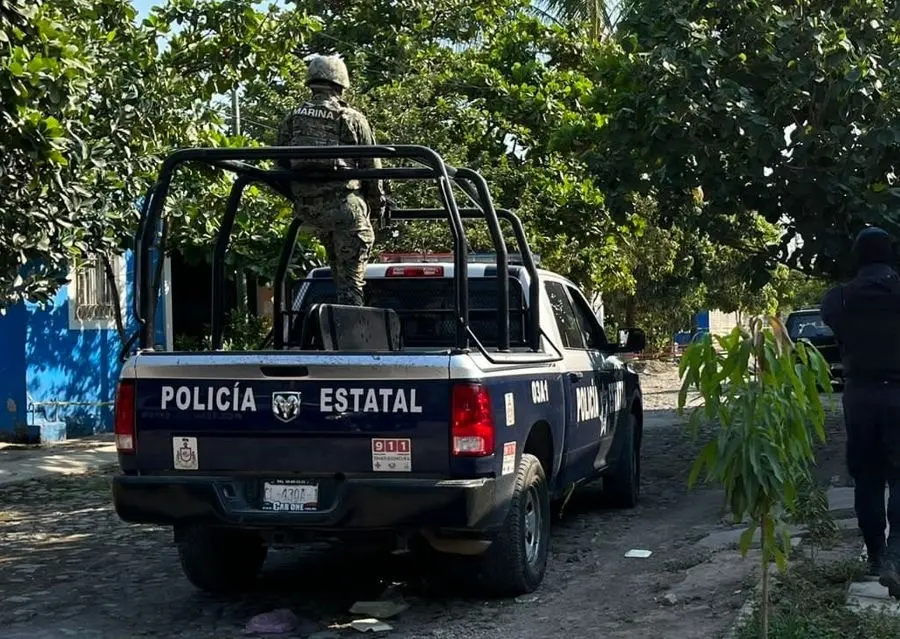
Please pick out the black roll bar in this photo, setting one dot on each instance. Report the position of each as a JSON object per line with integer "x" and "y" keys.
{"x": 434, "y": 169}
{"x": 218, "y": 262}
{"x": 236, "y": 160}
{"x": 490, "y": 215}
{"x": 460, "y": 265}
{"x": 143, "y": 285}
{"x": 280, "y": 179}
{"x": 138, "y": 246}
{"x": 284, "y": 262}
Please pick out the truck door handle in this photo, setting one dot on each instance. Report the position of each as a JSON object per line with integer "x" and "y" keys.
{"x": 576, "y": 376}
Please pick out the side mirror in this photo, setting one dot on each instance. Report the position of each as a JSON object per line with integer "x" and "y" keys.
{"x": 631, "y": 340}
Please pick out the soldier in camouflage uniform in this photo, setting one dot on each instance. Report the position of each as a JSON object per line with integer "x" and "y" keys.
{"x": 339, "y": 211}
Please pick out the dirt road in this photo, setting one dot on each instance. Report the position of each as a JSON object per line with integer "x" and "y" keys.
{"x": 69, "y": 567}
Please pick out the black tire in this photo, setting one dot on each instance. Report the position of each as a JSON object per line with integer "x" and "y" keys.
{"x": 622, "y": 487}
{"x": 516, "y": 561}
{"x": 219, "y": 560}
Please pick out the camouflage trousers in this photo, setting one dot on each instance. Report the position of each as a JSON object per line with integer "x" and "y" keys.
{"x": 341, "y": 221}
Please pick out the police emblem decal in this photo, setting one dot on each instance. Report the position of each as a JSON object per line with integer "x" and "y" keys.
{"x": 184, "y": 451}
{"x": 286, "y": 405}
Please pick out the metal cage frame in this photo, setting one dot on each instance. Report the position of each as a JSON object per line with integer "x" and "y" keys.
{"x": 431, "y": 167}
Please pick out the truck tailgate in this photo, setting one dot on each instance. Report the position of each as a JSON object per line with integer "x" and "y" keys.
{"x": 305, "y": 413}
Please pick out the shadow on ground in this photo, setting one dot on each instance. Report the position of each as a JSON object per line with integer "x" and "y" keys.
{"x": 70, "y": 567}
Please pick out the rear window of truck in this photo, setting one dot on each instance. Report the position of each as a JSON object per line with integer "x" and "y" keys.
{"x": 426, "y": 308}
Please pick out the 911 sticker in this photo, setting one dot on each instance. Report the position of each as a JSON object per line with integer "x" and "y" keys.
{"x": 184, "y": 451}
{"x": 509, "y": 458}
{"x": 391, "y": 455}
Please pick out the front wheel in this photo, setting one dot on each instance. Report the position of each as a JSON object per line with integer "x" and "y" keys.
{"x": 516, "y": 561}
{"x": 220, "y": 560}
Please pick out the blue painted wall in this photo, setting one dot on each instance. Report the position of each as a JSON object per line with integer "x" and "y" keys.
{"x": 44, "y": 360}
{"x": 12, "y": 368}
{"x": 702, "y": 320}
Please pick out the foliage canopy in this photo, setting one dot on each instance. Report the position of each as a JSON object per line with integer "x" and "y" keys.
{"x": 668, "y": 165}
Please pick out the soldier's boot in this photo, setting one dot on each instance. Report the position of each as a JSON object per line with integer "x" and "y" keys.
{"x": 875, "y": 555}
{"x": 890, "y": 569}
{"x": 889, "y": 576}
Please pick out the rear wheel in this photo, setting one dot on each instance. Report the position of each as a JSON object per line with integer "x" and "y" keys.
{"x": 516, "y": 560}
{"x": 220, "y": 560}
{"x": 622, "y": 487}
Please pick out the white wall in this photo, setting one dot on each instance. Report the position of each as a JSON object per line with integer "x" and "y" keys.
{"x": 722, "y": 323}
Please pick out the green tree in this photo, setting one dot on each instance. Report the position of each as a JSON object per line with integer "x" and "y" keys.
{"x": 88, "y": 108}
{"x": 675, "y": 272}
{"x": 213, "y": 47}
{"x": 91, "y": 104}
{"x": 486, "y": 88}
{"x": 600, "y": 15}
{"x": 782, "y": 109}
{"x": 792, "y": 290}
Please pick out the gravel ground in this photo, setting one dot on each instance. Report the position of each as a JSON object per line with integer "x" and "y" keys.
{"x": 70, "y": 568}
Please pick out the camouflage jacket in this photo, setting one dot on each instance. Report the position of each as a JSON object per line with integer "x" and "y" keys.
{"x": 325, "y": 120}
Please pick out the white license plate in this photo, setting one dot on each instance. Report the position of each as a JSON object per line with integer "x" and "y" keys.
{"x": 290, "y": 496}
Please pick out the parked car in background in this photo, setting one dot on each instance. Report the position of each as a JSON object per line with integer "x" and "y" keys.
{"x": 682, "y": 339}
{"x": 807, "y": 324}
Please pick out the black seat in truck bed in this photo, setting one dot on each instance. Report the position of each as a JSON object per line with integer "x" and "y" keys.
{"x": 335, "y": 327}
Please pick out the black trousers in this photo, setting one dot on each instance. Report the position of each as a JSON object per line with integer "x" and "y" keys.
{"x": 872, "y": 420}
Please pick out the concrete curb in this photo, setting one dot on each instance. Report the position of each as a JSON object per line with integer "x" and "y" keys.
{"x": 14, "y": 481}
{"x": 744, "y": 614}
{"x": 746, "y": 611}
{"x": 56, "y": 462}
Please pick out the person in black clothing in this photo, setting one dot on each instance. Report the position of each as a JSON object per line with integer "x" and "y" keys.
{"x": 865, "y": 317}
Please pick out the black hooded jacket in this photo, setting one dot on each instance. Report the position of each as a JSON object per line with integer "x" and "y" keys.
{"x": 864, "y": 314}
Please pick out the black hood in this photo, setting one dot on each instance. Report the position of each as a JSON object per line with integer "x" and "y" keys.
{"x": 873, "y": 246}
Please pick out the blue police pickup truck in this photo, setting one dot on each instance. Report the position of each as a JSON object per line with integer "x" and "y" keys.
{"x": 452, "y": 412}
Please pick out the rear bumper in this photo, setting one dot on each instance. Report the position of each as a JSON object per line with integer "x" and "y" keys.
{"x": 346, "y": 505}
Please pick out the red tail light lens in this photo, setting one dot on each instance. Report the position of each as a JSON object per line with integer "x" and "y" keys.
{"x": 415, "y": 271}
{"x": 472, "y": 428}
{"x": 124, "y": 419}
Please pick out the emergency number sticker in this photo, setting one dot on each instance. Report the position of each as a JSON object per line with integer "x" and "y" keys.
{"x": 509, "y": 458}
{"x": 510, "y": 409}
{"x": 184, "y": 450}
{"x": 392, "y": 455}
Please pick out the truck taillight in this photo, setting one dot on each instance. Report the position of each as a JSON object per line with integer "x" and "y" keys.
{"x": 415, "y": 271}
{"x": 124, "y": 419}
{"x": 472, "y": 428}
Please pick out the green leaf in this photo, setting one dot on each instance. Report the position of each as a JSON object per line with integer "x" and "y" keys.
{"x": 746, "y": 539}
{"x": 705, "y": 459}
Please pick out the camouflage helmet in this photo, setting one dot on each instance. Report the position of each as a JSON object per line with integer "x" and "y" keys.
{"x": 327, "y": 68}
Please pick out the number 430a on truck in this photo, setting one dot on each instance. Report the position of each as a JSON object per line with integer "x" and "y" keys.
{"x": 452, "y": 413}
